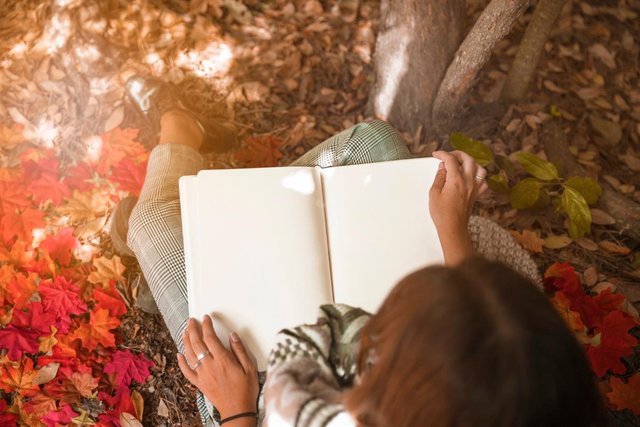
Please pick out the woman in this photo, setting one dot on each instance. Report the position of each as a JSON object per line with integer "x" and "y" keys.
{"x": 469, "y": 343}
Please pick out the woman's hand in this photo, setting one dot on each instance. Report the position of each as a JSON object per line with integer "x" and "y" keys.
{"x": 458, "y": 183}
{"x": 227, "y": 378}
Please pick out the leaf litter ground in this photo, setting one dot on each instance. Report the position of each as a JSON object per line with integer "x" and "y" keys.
{"x": 288, "y": 75}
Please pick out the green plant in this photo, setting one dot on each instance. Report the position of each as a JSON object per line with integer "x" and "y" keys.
{"x": 571, "y": 196}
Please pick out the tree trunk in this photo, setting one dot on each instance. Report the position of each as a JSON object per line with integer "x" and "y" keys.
{"x": 493, "y": 25}
{"x": 521, "y": 73}
{"x": 415, "y": 45}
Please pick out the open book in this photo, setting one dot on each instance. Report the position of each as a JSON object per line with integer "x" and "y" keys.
{"x": 264, "y": 248}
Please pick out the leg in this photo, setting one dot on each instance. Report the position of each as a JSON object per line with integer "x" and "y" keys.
{"x": 155, "y": 226}
{"x": 367, "y": 142}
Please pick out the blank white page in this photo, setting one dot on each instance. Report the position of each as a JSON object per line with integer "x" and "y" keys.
{"x": 261, "y": 260}
{"x": 379, "y": 227}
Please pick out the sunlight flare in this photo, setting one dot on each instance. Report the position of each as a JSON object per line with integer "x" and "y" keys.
{"x": 212, "y": 61}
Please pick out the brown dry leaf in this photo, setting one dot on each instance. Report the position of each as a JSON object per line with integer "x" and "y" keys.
{"x": 163, "y": 411}
{"x": 128, "y": 420}
{"x": 138, "y": 403}
{"x": 529, "y": 240}
{"x": 114, "y": 119}
{"x": 557, "y": 242}
{"x": 603, "y": 54}
{"x": 631, "y": 159}
{"x": 614, "y": 248}
{"x": 85, "y": 205}
{"x": 600, "y": 217}
{"x": 610, "y": 131}
{"x": 587, "y": 244}
{"x": 106, "y": 270}
{"x": 46, "y": 373}
{"x": 590, "y": 276}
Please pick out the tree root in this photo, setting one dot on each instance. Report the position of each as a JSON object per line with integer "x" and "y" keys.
{"x": 624, "y": 211}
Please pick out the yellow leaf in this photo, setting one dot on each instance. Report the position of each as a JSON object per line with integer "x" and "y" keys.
{"x": 106, "y": 270}
{"x": 85, "y": 205}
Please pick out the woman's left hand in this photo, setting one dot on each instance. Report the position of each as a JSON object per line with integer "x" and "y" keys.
{"x": 228, "y": 378}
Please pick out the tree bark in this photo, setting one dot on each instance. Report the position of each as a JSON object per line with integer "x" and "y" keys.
{"x": 493, "y": 25}
{"x": 415, "y": 44}
{"x": 521, "y": 73}
{"x": 624, "y": 211}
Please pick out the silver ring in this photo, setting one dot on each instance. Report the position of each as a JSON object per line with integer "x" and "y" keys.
{"x": 198, "y": 363}
{"x": 202, "y": 355}
{"x": 481, "y": 178}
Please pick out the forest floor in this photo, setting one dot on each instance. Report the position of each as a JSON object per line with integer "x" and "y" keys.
{"x": 288, "y": 74}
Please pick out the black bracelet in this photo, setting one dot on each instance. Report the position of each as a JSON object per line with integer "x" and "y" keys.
{"x": 242, "y": 415}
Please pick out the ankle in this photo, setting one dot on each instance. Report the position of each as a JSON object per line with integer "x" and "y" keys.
{"x": 179, "y": 127}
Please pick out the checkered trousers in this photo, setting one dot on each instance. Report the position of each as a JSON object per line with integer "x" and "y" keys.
{"x": 155, "y": 228}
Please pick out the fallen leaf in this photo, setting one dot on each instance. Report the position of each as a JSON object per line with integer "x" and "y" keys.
{"x": 600, "y": 217}
{"x": 115, "y": 119}
{"x": 625, "y": 395}
{"x": 529, "y": 240}
{"x": 557, "y": 242}
{"x": 128, "y": 420}
{"x": 614, "y": 248}
{"x": 107, "y": 269}
{"x": 610, "y": 131}
{"x": 587, "y": 244}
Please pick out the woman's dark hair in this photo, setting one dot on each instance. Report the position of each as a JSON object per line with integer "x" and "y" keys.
{"x": 475, "y": 345}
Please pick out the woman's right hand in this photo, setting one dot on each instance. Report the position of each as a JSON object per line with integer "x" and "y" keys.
{"x": 457, "y": 185}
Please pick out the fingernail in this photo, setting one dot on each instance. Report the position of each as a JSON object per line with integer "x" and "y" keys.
{"x": 204, "y": 318}
{"x": 235, "y": 337}
{"x": 179, "y": 355}
{"x": 441, "y": 165}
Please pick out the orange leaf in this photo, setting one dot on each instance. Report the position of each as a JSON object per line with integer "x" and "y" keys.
{"x": 119, "y": 144}
{"x": 60, "y": 245}
{"x": 21, "y": 225}
{"x": 97, "y": 331}
{"x": 18, "y": 376}
{"x": 572, "y": 318}
{"x": 106, "y": 270}
{"x": 625, "y": 395}
{"x": 529, "y": 240}
{"x": 614, "y": 248}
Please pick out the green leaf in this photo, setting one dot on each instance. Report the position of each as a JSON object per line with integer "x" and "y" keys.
{"x": 588, "y": 187}
{"x": 525, "y": 193}
{"x": 578, "y": 211}
{"x": 498, "y": 183}
{"x": 476, "y": 149}
{"x": 537, "y": 167}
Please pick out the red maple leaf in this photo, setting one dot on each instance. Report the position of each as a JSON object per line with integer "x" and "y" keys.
{"x": 625, "y": 395}
{"x": 62, "y": 297}
{"x": 18, "y": 341}
{"x": 129, "y": 176}
{"x": 7, "y": 419}
{"x": 18, "y": 377}
{"x": 560, "y": 276}
{"x": 110, "y": 299}
{"x": 35, "y": 317}
{"x": 260, "y": 151}
{"x": 43, "y": 180}
{"x": 72, "y": 384}
{"x": 615, "y": 343}
{"x": 127, "y": 367}
{"x": 97, "y": 331}
{"x": 79, "y": 177}
{"x": 118, "y": 403}
{"x": 63, "y": 416}
{"x": 60, "y": 245}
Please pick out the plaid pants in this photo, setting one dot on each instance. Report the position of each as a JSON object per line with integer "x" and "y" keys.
{"x": 155, "y": 228}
